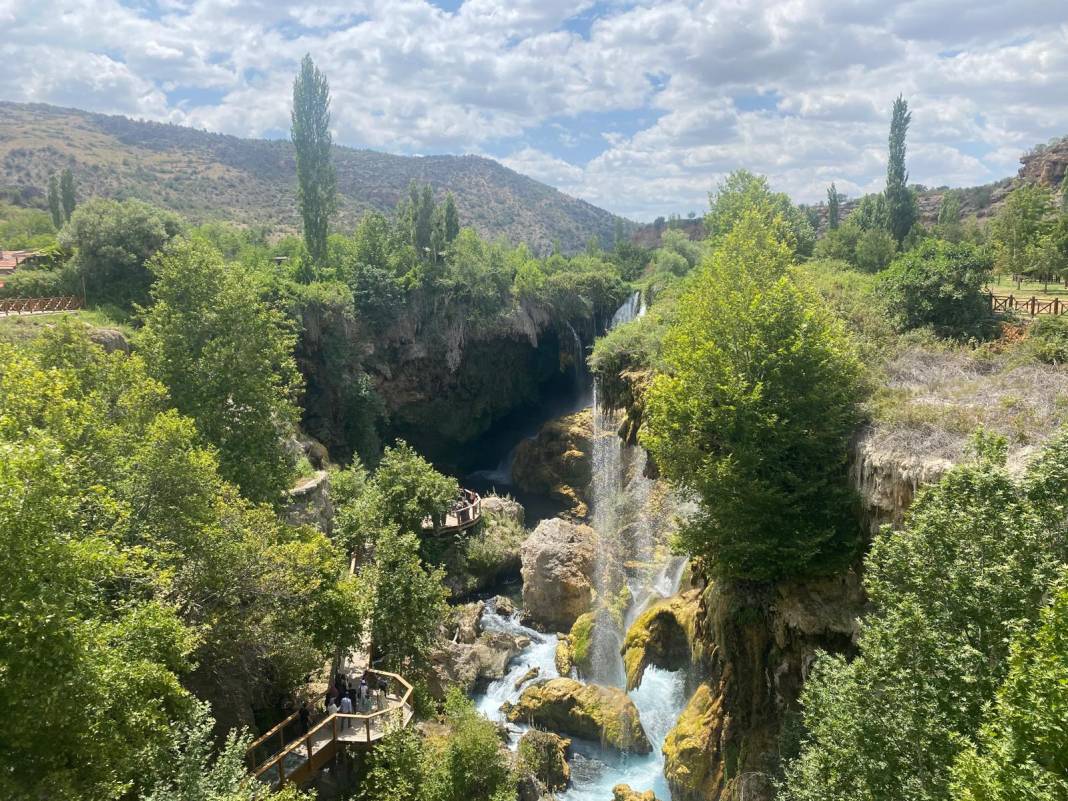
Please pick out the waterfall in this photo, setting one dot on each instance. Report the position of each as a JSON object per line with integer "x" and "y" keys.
{"x": 580, "y": 359}
{"x": 631, "y": 309}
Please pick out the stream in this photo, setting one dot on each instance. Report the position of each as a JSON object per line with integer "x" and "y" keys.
{"x": 619, "y": 498}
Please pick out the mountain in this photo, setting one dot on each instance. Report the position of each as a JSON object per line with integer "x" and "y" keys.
{"x": 252, "y": 181}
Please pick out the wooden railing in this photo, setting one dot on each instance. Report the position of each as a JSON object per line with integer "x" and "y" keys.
{"x": 310, "y": 751}
{"x": 461, "y": 517}
{"x": 39, "y": 305}
{"x": 1032, "y": 306}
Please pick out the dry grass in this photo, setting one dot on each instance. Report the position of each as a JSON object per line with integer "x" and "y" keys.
{"x": 934, "y": 399}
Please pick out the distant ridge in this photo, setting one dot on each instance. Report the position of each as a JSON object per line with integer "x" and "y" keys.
{"x": 252, "y": 181}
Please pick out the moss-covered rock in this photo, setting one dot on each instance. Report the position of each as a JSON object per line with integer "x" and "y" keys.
{"x": 623, "y": 792}
{"x": 581, "y": 642}
{"x": 602, "y": 714}
{"x": 558, "y": 565}
{"x": 692, "y": 764}
{"x": 564, "y": 657}
{"x": 544, "y": 755}
{"x": 557, "y": 461}
{"x": 662, "y": 635}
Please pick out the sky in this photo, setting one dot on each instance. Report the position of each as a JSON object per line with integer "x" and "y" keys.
{"x": 638, "y": 107}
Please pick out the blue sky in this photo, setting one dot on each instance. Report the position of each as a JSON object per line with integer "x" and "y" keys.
{"x": 639, "y": 107}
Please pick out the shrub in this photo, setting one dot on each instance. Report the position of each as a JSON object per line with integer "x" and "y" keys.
{"x": 1048, "y": 340}
{"x": 875, "y": 249}
{"x": 939, "y": 284}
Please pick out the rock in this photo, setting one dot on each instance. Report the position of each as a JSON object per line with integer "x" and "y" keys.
{"x": 693, "y": 765}
{"x": 503, "y": 606}
{"x": 564, "y": 657}
{"x": 483, "y": 559}
{"x": 558, "y": 567}
{"x": 662, "y": 635}
{"x": 622, "y": 792}
{"x": 466, "y": 665}
{"x": 528, "y": 788}
{"x": 530, "y": 675}
{"x": 507, "y": 508}
{"x": 1046, "y": 164}
{"x": 580, "y": 642}
{"x": 601, "y": 714}
{"x": 543, "y": 755}
{"x": 467, "y": 622}
{"x": 110, "y": 339}
{"x": 557, "y": 461}
{"x": 309, "y": 503}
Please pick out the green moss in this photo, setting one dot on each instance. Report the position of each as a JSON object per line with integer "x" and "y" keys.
{"x": 581, "y": 641}
{"x": 691, "y": 766}
{"x": 662, "y": 635}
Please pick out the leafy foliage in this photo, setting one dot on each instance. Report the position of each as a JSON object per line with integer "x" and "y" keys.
{"x": 742, "y": 193}
{"x": 226, "y": 359}
{"x": 901, "y": 211}
{"x": 949, "y": 591}
{"x": 754, "y": 411}
{"x": 112, "y": 243}
{"x": 939, "y": 284}
{"x": 316, "y": 179}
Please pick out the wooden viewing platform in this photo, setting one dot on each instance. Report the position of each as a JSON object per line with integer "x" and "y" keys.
{"x": 464, "y": 514}
{"x": 299, "y": 759}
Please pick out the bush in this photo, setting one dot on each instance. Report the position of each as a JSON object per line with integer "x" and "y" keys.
{"x": 939, "y": 284}
{"x": 875, "y": 249}
{"x": 1047, "y": 340}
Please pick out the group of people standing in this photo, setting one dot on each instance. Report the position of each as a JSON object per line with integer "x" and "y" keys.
{"x": 349, "y": 697}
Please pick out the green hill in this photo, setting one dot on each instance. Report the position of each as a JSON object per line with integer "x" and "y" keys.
{"x": 213, "y": 176}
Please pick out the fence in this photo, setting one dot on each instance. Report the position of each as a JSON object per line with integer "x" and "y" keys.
{"x": 1032, "y": 306}
{"x": 39, "y": 305}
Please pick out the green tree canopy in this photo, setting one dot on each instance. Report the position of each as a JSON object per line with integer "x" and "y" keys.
{"x": 741, "y": 193}
{"x": 969, "y": 570}
{"x": 939, "y": 284}
{"x": 112, "y": 243}
{"x": 227, "y": 360}
{"x": 754, "y": 411}
{"x": 316, "y": 178}
{"x": 1019, "y": 226}
{"x": 66, "y": 193}
{"x": 901, "y": 210}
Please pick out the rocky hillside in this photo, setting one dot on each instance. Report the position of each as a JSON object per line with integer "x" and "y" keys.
{"x": 212, "y": 176}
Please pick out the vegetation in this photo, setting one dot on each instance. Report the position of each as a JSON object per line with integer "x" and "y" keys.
{"x": 950, "y": 591}
{"x": 941, "y": 285}
{"x": 754, "y": 411}
{"x": 316, "y": 179}
{"x": 743, "y": 193}
{"x": 900, "y": 200}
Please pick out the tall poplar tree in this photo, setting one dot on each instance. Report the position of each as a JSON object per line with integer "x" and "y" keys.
{"x": 900, "y": 202}
{"x": 66, "y": 193}
{"x": 316, "y": 180}
{"x": 832, "y": 206}
{"x": 452, "y": 218}
{"x": 54, "y": 207}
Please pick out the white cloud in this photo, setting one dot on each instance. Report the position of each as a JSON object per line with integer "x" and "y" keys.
{"x": 797, "y": 89}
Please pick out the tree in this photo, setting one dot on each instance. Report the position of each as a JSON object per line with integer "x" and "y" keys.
{"x": 900, "y": 200}
{"x": 939, "y": 284}
{"x": 66, "y": 191}
{"x": 754, "y": 411}
{"x": 408, "y": 600}
{"x": 227, "y": 360}
{"x": 833, "y": 200}
{"x": 948, "y": 592}
{"x": 452, "y": 218}
{"x": 470, "y": 765}
{"x": 1022, "y": 753}
{"x": 741, "y": 193}
{"x": 411, "y": 490}
{"x": 397, "y": 770}
{"x": 949, "y": 224}
{"x": 316, "y": 179}
{"x": 1019, "y": 226}
{"x": 54, "y": 203}
{"x": 874, "y": 250}
{"x": 112, "y": 242}
{"x": 422, "y": 219}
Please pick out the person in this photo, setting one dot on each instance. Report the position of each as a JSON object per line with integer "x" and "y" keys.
{"x": 363, "y": 694}
{"x": 346, "y": 709}
{"x": 305, "y": 717}
{"x": 383, "y": 691}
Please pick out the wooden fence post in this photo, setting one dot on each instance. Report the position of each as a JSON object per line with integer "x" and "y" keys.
{"x": 1034, "y": 303}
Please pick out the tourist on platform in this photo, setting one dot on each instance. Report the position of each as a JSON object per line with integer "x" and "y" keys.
{"x": 305, "y": 717}
{"x": 346, "y": 709}
{"x": 363, "y": 695}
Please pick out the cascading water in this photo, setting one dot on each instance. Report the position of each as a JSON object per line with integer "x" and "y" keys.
{"x": 631, "y": 571}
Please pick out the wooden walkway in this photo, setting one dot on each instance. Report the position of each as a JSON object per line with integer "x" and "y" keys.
{"x": 299, "y": 759}
{"x": 1032, "y": 306}
{"x": 463, "y": 515}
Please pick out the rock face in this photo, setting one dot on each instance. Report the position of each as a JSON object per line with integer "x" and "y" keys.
{"x": 309, "y": 503}
{"x": 888, "y": 479}
{"x": 1047, "y": 164}
{"x": 663, "y": 635}
{"x": 604, "y": 714}
{"x": 506, "y": 508}
{"x": 558, "y": 568}
{"x": 544, "y": 755}
{"x": 467, "y": 656}
{"x": 557, "y": 461}
{"x": 753, "y": 647}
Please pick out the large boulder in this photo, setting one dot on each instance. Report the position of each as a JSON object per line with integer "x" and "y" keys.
{"x": 469, "y": 665}
{"x": 602, "y": 714}
{"x": 110, "y": 339}
{"x": 309, "y": 502}
{"x": 507, "y": 508}
{"x": 557, "y": 461}
{"x": 543, "y": 755}
{"x": 693, "y": 765}
{"x": 558, "y": 568}
{"x": 623, "y": 792}
{"x": 662, "y": 635}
